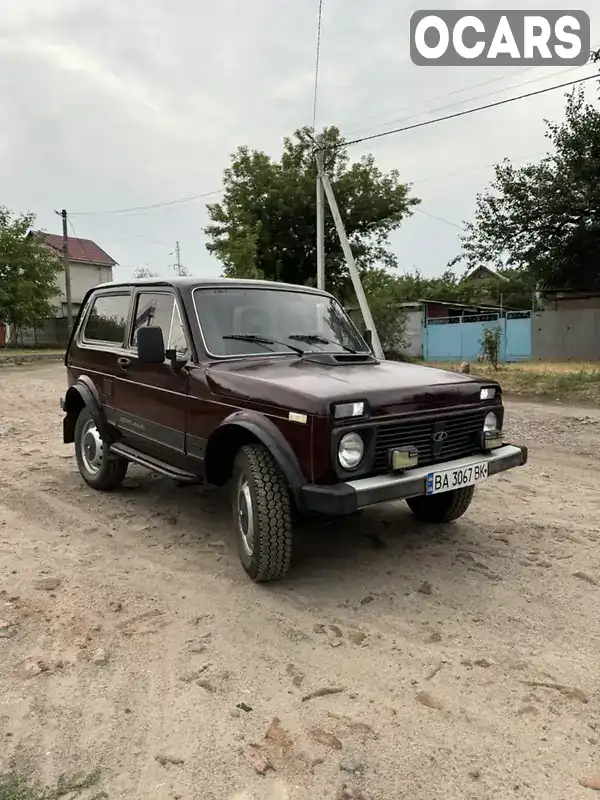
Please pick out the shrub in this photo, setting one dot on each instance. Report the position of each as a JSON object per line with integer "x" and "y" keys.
{"x": 490, "y": 344}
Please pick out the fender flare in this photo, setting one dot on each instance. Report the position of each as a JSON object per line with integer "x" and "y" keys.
{"x": 269, "y": 434}
{"x": 85, "y": 389}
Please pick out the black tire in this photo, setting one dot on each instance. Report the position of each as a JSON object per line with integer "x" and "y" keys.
{"x": 260, "y": 498}
{"x": 108, "y": 471}
{"x": 445, "y": 507}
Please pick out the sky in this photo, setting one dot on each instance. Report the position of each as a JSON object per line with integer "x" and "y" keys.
{"x": 110, "y": 105}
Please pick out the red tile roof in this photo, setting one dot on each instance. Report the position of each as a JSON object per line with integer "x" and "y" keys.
{"x": 82, "y": 251}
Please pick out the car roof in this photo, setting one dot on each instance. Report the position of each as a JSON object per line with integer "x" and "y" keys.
{"x": 190, "y": 282}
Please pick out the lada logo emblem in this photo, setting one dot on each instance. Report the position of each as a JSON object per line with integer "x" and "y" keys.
{"x": 440, "y": 436}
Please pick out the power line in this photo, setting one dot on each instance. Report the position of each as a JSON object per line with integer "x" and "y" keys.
{"x": 428, "y": 179}
{"x": 214, "y": 192}
{"x": 440, "y": 219}
{"x": 79, "y": 239}
{"x": 462, "y": 102}
{"x": 463, "y": 113}
{"x": 460, "y": 172}
{"x": 463, "y": 89}
{"x": 318, "y": 57}
{"x": 145, "y": 238}
{"x": 144, "y": 208}
{"x": 439, "y": 97}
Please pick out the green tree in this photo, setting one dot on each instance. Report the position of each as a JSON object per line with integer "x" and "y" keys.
{"x": 265, "y": 226}
{"x": 510, "y": 287}
{"x": 28, "y": 273}
{"x": 544, "y": 218}
{"x": 384, "y": 293}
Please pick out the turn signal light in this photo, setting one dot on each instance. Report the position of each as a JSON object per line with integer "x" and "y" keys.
{"x": 492, "y": 439}
{"x": 349, "y": 410}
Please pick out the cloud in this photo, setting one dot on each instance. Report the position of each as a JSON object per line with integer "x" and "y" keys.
{"x": 110, "y": 105}
{"x": 73, "y": 59}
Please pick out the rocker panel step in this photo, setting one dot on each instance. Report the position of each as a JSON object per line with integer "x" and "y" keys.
{"x": 153, "y": 464}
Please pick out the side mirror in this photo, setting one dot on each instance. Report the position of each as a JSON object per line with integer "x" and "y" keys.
{"x": 177, "y": 364}
{"x": 151, "y": 345}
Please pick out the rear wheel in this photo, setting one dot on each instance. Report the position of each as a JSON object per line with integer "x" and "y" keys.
{"x": 262, "y": 518}
{"x": 98, "y": 468}
{"x": 445, "y": 507}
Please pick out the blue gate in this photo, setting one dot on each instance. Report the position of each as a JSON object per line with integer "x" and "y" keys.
{"x": 517, "y": 338}
{"x": 442, "y": 339}
{"x": 459, "y": 338}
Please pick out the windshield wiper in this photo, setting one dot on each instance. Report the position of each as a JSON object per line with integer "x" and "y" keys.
{"x": 309, "y": 338}
{"x": 264, "y": 340}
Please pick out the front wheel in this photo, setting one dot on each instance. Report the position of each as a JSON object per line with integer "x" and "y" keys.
{"x": 262, "y": 516}
{"x": 98, "y": 468}
{"x": 445, "y": 507}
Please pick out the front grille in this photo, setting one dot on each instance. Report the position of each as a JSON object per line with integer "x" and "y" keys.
{"x": 464, "y": 438}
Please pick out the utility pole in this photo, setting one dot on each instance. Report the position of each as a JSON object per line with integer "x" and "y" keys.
{"x": 177, "y": 258}
{"x": 319, "y": 155}
{"x": 67, "y": 265}
{"x": 349, "y": 256}
{"x": 178, "y": 266}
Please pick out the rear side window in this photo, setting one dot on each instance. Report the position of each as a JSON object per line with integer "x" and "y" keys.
{"x": 160, "y": 308}
{"x": 107, "y": 321}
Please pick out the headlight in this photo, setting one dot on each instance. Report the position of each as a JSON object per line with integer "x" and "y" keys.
{"x": 491, "y": 422}
{"x": 351, "y": 450}
{"x": 348, "y": 410}
{"x": 492, "y": 437}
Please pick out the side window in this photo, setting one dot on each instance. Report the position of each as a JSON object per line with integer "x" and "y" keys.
{"x": 107, "y": 321}
{"x": 160, "y": 308}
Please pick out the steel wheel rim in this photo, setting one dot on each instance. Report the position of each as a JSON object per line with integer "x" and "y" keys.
{"x": 91, "y": 448}
{"x": 245, "y": 516}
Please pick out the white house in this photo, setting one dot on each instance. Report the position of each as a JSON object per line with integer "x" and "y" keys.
{"x": 90, "y": 265}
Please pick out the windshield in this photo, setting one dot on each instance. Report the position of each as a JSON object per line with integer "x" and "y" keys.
{"x": 278, "y": 316}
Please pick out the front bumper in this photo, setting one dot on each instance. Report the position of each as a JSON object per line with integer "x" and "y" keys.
{"x": 350, "y": 496}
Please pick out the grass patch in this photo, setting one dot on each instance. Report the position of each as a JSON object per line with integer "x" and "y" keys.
{"x": 14, "y": 357}
{"x": 31, "y": 351}
{"x": 572, "y": 381}
{"x": 14, "y": 786}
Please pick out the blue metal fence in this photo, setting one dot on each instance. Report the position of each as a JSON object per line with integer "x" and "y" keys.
{"x": 459, "y": 338}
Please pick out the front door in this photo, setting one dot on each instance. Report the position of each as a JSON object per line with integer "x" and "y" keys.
{"x": 152, "y": 397}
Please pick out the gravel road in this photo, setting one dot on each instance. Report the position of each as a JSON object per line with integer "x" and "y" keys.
{"x": 464, "y": 659}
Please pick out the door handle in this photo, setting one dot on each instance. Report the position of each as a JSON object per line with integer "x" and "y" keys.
{"x": 123, "y": 362}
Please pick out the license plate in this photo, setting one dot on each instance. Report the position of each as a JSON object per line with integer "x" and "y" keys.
{"x": 449, "y": 479}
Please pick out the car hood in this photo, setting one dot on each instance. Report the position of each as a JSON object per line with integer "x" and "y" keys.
{"x": 300, "y": 384}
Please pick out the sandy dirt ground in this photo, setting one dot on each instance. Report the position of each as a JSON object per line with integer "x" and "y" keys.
{"x": 466, "y": 657}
